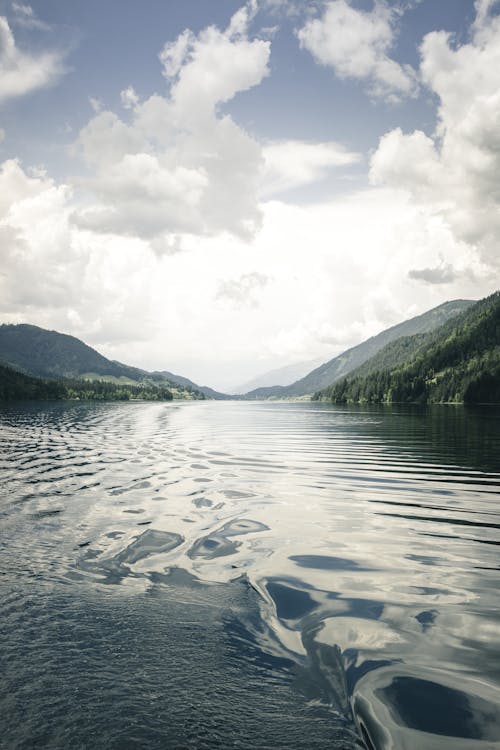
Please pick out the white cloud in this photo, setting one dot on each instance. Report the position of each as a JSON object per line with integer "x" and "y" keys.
{"x": 58, "y": 276}
{"x": 21, "y": 73}
{"x": 180, "y": 166}
{"x": 16, "y": 185}
{"x": 129, "y": 98}
{"x": 211, "y": 68}
{"x": 455, "y": 172}
{"x": 356, "y": 44}
{"x": 408, "y": 161}
{"x": 154, "y": 194}
{"x": 292, "y": 164}
{"x": 483, "y": 9}
{"x": 106, "y": 139}
{"x": 33, "y": 221}
{"x": 174, "y": 54}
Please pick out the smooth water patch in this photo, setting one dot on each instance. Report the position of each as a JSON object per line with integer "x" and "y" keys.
{"x": 249, "y": 575}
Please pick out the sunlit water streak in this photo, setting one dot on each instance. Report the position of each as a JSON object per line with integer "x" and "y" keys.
{"x": 252, "y": 575}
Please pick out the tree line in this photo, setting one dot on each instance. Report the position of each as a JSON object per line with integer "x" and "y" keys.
{"x": 16, "y": 385}
{"x": 459, "y": 362}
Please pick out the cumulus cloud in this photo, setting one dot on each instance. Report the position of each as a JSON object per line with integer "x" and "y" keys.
{"x": 106, "y": 139}
{"x": 483, "y": 9}
{"x": 57, "y": 275}
{"x": 209, "y": 69}
{"x": 144, "y": 194}
{"x": 20, "y": 72}
{"x": 291, "y": 164}
{"x": 409, "y": 161}
{"x": 16, "y": 186}
{"x": 455, "y": 171}
{"x": 356, "y": 44}
{"x": 33, "y": 222}
{"x": 180, "y": 166}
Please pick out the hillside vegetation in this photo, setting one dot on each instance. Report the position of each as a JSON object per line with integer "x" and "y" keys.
{"x": 40, "y": 353}
{"x": 16, "y": 385}
{"x": 459, "y": 362}
{"x": 340, "y": 366}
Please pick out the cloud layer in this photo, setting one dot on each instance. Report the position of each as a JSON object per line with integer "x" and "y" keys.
{"x": 180, "y": 166}
{"x": 314, "y": 280}
{"x": 454, "y": 172}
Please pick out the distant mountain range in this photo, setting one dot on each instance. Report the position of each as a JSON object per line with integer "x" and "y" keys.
{"x": 337, "y": 368}
{"x": 40, "y": 353}
{"x": 458, "y": 362}
{"x": 279, "y": 376}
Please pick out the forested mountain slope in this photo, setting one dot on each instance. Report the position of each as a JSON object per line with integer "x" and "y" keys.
{"x": 345, "y": 363}
{"x": 43, "y": 353}
{"x": 47, "y": 354}
{"x": 459, "y": 362}
{"x": 15, "y": 385}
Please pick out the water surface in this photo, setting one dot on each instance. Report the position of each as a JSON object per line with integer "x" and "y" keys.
{"x": 249, "y": 575}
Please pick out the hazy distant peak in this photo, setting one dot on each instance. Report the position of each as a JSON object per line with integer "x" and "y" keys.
{"x": 281, "y": 376}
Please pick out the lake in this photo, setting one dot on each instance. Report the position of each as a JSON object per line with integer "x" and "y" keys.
{"x": 249, "y": 575}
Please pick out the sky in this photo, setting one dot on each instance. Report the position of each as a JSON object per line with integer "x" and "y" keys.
{"x": 220, "y": 188}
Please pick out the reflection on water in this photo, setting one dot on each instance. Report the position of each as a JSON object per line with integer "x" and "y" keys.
{"x": 215, "y": 575}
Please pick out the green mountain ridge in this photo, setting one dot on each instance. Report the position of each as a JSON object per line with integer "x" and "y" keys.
{"x": 16, "y": 385}
{"x": 338, "y": 367}
{"x": 458, "y": 363}
{"x": 40, "y": 353}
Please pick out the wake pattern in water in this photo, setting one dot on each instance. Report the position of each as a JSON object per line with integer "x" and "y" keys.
{"x": 250, "y": 575}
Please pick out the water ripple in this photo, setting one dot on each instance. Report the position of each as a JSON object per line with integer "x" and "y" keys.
{"x": 347, "y": 557}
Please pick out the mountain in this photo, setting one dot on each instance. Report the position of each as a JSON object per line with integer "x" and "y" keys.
{"x": 17, "y": 385}
{"x": 280, "y": 376}
{"x": 458, "y": 362}
{"x": 345, "y": 363}
{"x": 41, "y": 353}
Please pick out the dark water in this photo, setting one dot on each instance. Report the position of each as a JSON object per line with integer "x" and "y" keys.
{"x": 244, "y": 575}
